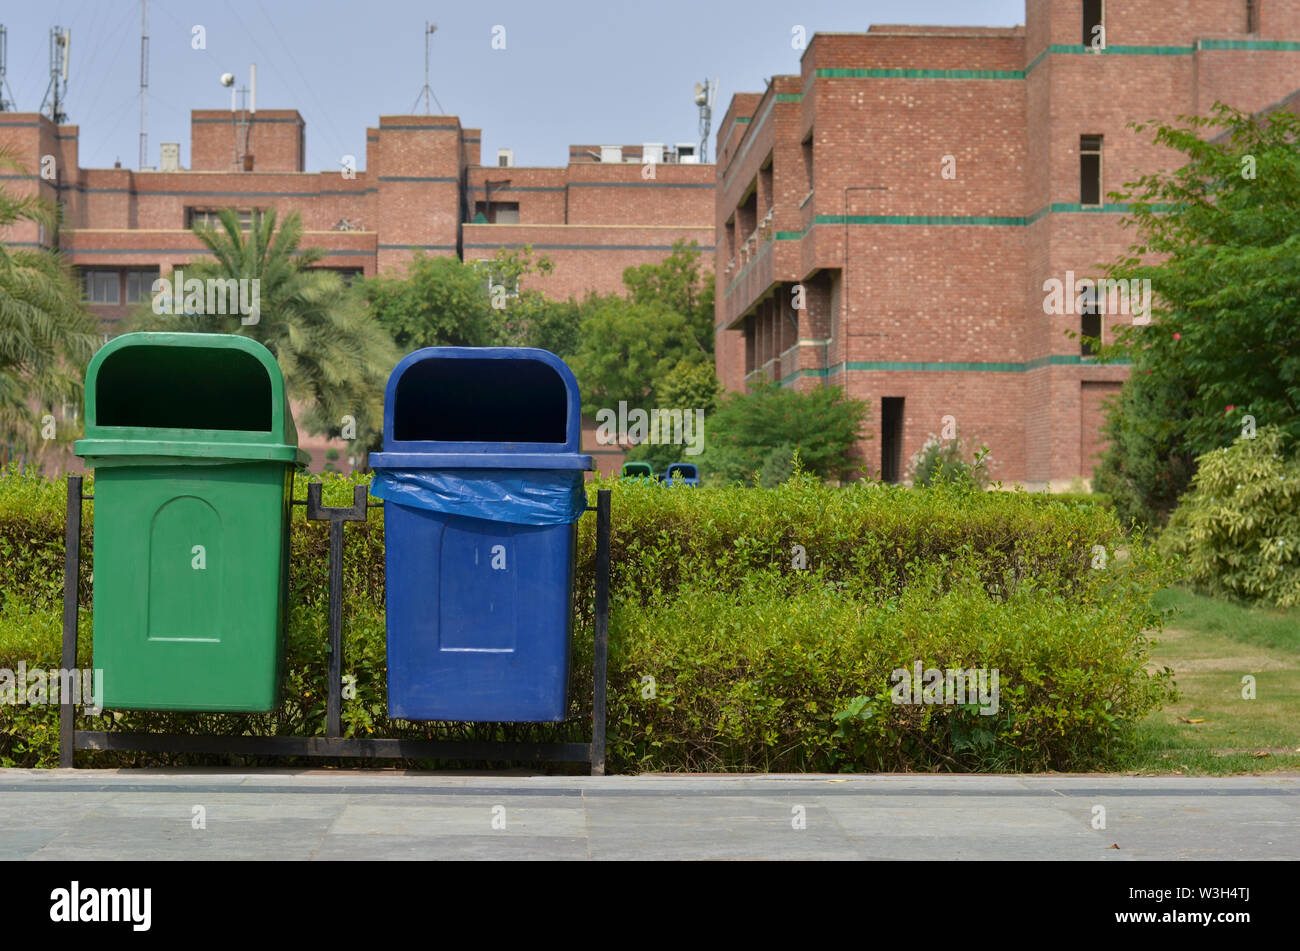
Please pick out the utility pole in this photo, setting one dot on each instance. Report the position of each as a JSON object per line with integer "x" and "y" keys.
{"x": 426, "y": 91}
{"x": 144, "y": 83}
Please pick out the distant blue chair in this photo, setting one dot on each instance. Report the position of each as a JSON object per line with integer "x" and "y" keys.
{"x": 682, "y": 473}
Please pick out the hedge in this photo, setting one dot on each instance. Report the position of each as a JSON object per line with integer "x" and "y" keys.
{"x": 752, "y": 629}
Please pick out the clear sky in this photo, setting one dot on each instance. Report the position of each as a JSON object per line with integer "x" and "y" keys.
{"x": 589, "y": 71}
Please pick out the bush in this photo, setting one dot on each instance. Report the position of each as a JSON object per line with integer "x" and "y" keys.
{"x": 746, "y": 428}
{"x": 756, "y": 663}
{"x": 940, "y": 460}
{"x": 1239, "y": 526}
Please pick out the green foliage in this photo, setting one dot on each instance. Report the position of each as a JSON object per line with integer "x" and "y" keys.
{"x": 334, "y": 355}
{"x": 1221, "y": 248}
{"x": 626, "y": 349}
{"x": 46, "y": 335}
{"x": 677, "y": 284}
{"x": 786, "y": 676}
{"x": 778, "y": 467}
{"x": 435, "y": 302}
{"x": 663, "y": 326}
{"x": 1147, "y": 466}
{"x": 940, "y": 460}
{"x": 750, "y": 428}
{"x": 689, "y": 385}
{"x": 1239, "y": 527}
{"x": 446, "y": 302}
{"x": 756, "y": 665}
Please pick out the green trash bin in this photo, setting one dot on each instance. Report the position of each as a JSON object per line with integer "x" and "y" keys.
{"x": 194, "y": 447}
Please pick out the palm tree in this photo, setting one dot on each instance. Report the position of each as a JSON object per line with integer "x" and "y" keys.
{"x": 46, "y": 334}
{"x": 334, "y": 355}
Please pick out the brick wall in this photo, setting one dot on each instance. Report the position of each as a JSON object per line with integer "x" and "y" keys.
{"x": 929, "y": 286}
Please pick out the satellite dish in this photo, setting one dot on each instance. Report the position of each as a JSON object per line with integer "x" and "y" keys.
{"x": 227, "y": 79}
{"x": 701, "y": 95}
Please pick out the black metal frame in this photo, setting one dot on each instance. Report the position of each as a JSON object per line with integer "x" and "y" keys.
{"x": 334, "y": 744}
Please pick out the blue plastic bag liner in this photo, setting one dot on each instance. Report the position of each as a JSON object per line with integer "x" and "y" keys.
{"x": 518, "y": 496}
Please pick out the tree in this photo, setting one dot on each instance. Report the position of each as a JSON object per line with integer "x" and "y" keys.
{"x": 689, "y": 387}
{"x": 1219, "y": 240}
{"x": 626, "y": 349}
{"x": 436, "y": 302}
{"x": 46, "y": 335}
{"x": 677, "y": 284}
{"x": 630, "y": 344}
{"x": 759, "y": 431}
{"x": 446, "y": 302}
{"x": 335, "y": 356}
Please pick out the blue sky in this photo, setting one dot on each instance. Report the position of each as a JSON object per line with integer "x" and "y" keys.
{"x": 612, "y": 72}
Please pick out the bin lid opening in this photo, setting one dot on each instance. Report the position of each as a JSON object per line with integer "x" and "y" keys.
{"x": 480, "y": 400}
{"x": 685, "y": 470}
{"x": 167, "y": 387}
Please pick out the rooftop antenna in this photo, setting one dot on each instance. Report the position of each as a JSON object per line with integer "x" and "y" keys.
{"x": 57, "y": 91}
{"x": 144, "y": 83}
{"x": 426, "y": 93}
{"x": 704, "y": 94}
{"x": 6, "y": 104}
{"x": 240, "y": 118}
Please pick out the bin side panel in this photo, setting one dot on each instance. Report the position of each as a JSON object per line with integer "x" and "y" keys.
{"x": 479, "y": 596}
{"x": 186, "y": 562}
{"x": 188, "y": 586}
{"x": 478, "y": 617}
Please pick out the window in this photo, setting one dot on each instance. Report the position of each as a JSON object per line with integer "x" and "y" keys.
{"x": 1090, "y": 170}
{"x": 211, "y": 217}
{"x": 498, "y": 212}
{"x": 1090, "y": 322}
{"x": 349, "y": 274}
{"x": 101, "y": 287}
{"x": 1094, "y": 24}
{"x": 891, "y": 439}
{"x": 1252, "y": 16}
{"x": 139, "y": 285}
{"x": 808, "y": 161}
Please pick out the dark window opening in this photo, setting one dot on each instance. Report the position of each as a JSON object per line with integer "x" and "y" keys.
{"x": 808, "y": 161}
{"x": 211, "y": 218}
{"x": 497, "y": 212}
{"x": 139, "y": 285}
{"x": 1090, "y": 170}
{"x": 1252, "y": 16}
{"x": 501, "y": 401}
{"x": 101, "y": 287}
{"x": 183, "y": 388}
{"x": 891, "y": 438}
{"x": 1090, "y": 332}
{"x": 1094, "y": 27}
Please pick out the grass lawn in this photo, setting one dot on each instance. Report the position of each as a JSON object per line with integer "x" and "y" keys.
{"x": 1211, "y": 730}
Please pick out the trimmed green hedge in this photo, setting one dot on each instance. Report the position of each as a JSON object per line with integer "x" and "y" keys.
{"x": 731, "y": 648}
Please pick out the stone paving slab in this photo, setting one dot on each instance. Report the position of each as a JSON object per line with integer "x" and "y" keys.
{"x": 390, "y": 814}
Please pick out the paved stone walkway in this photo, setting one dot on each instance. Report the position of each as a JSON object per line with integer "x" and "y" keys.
{"x": 330, "y": 814}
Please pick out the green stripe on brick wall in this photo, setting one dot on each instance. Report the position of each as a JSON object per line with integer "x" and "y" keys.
{"x": 881, "y": 73}
{"x": 1004, "y": 221}
{"x": 1282, "y": 45}
{"x": 1056, "y": 49}
{"x": 943, "y": 366}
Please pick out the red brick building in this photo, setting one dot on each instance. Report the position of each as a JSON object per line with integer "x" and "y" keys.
{"x": 420, "y": 185}
{"x": 920, "y": 185}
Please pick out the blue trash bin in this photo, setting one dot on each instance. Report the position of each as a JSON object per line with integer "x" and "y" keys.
{"x": 482, "y": 485}
{"x": 682, "y": 473}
